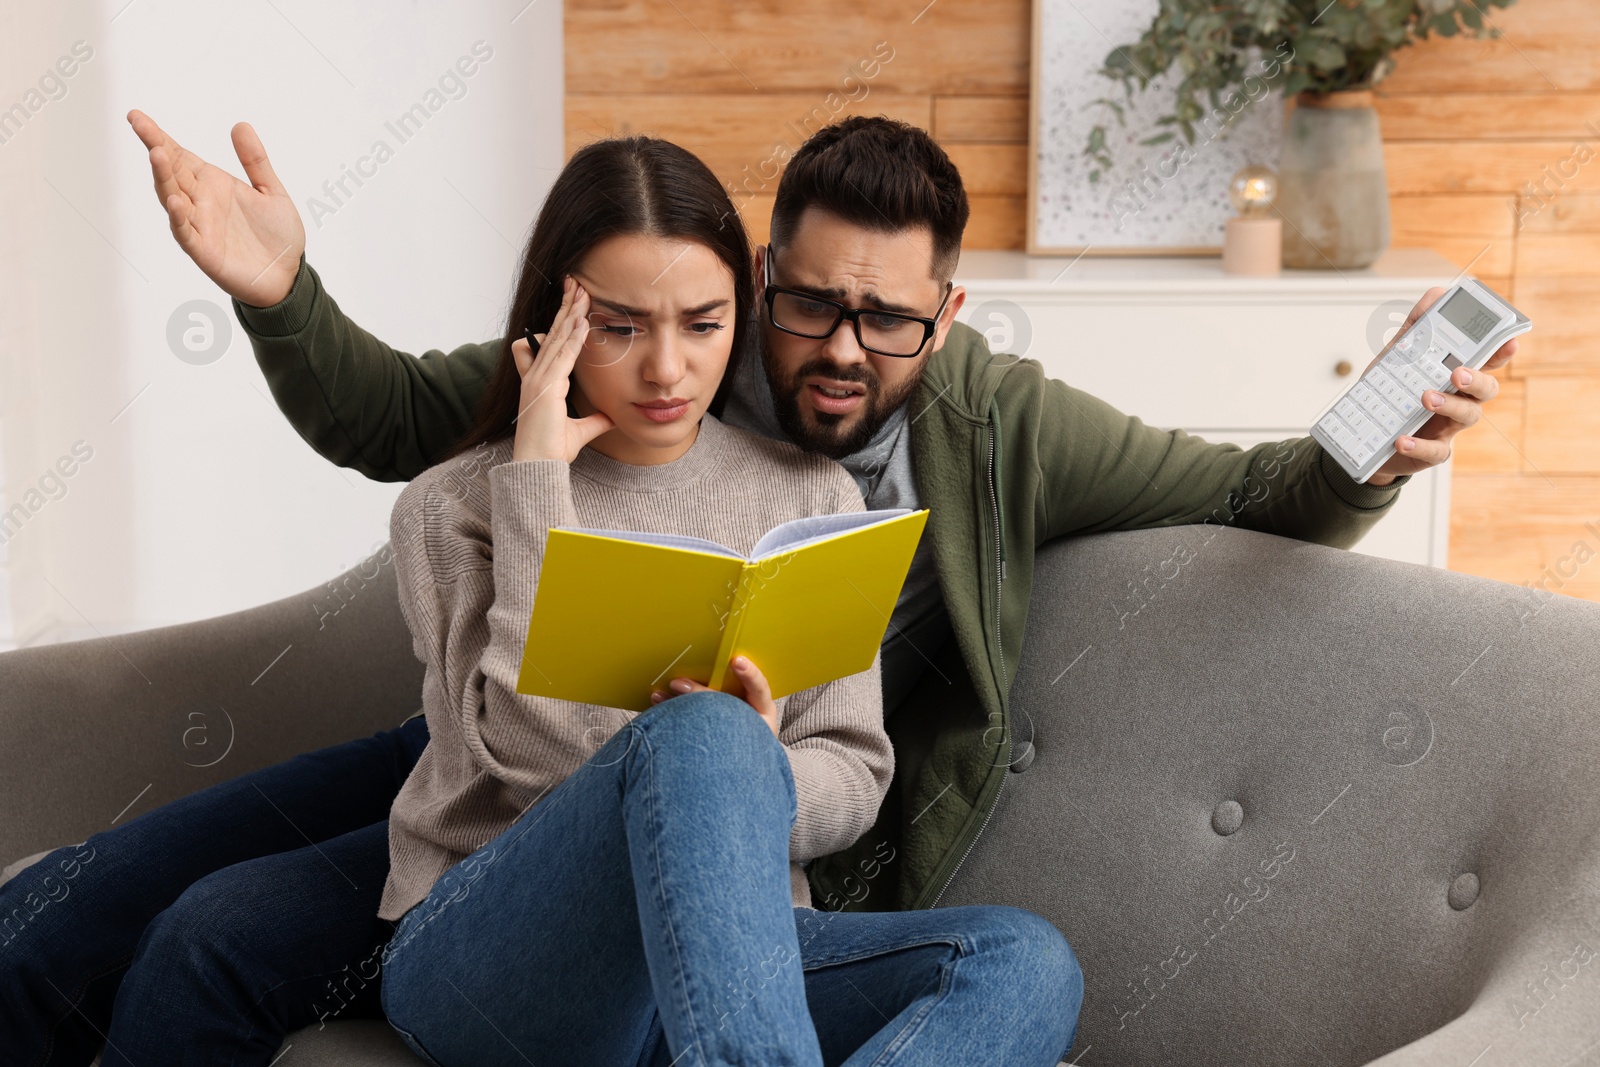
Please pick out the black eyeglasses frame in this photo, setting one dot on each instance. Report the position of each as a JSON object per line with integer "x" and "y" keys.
{"x": 841, "y": 313}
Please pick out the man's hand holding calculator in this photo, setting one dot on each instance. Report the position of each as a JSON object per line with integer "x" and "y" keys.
{"x": 1439, "y": 367}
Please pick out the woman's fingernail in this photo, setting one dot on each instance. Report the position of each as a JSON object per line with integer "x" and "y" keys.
{"x": 740, "y": 662}
{"x": 1407, "y": 444}
{"x": 655, "y": 696}
{"x": 679, "y": 685}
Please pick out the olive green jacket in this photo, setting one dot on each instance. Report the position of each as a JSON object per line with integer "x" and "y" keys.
{"x": 1006, "y": 459}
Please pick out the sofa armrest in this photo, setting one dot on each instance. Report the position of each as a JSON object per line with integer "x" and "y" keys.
{"x": 1540, "y": 1000}
{"x": 96, "y": 732}
{"x": 1294, "y": 804}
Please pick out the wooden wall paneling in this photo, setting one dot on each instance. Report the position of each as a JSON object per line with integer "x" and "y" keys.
{"x": 997, "y": 222}
{"x": 988, "y": 119}
{"x": 1563, "y": 425}
{"x": 1495, "y": 445}
{"x": 744, "y": 138}
{"x": 757, "y": 214}
{"x": 1523, "y": 529}
{"x": 1558, "y": 254}
{"x": 1547, "y": 46}
{"x": 1572, "y": 212}
{"x": 688, "y": 46}
{"x": 1476, "y": 228}
{"x": 1566, "y": 334}
{"x": 1558, "y": 280}
{"x": 1504, "y": 116}
{"x": 991, "y": 169}
{"x": 1505, "y": 167}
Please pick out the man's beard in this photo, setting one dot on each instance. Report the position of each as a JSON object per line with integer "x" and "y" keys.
{"x": 827, "y": 435}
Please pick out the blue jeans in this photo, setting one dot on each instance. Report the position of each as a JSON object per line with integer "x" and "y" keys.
{"x": 640, "y": 913}
{"x": 205, "y": 930}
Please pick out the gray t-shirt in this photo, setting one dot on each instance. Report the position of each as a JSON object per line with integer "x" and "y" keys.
{"x": 883, "y": 472}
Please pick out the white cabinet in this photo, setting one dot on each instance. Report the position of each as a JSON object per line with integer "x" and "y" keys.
{"x": 1180, "y": 344}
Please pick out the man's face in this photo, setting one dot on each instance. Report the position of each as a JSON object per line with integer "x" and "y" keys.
{"x": 860, "y": 268}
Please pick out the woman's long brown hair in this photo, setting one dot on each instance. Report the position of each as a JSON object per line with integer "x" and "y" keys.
{"x": 626, "y": 185}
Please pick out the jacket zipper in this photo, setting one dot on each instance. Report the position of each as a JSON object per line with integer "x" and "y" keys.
{"x": 970, "y": 844}
{"x": 1000, "y": 577}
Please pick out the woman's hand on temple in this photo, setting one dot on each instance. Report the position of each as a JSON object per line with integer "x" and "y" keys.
{"x": 757, "y": 693}
{"x": 544, "y": 430}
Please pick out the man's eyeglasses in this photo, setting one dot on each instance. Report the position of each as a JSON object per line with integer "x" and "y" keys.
{"x": 887, "y": 333}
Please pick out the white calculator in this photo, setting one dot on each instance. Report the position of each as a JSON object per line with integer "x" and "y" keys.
{"x": 1463, "y": 327}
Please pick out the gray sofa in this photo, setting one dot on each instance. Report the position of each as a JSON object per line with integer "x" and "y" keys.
{"x": 1290, "y": 804}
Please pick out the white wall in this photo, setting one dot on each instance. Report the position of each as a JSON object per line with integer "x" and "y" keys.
{"x": 199, "y": 498}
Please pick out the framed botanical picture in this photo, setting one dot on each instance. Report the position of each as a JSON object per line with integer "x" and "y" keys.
{"x": 1155, "y": 199}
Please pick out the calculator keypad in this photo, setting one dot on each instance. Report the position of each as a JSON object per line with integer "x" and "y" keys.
{"x": 1377, "y": 408}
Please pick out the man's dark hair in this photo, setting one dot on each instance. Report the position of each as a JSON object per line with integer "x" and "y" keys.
{"x": 880, "y": 173}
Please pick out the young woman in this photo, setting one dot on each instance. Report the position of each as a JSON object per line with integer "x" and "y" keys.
{"x": 578, "y": 884}
{"x": 573, "y": 884}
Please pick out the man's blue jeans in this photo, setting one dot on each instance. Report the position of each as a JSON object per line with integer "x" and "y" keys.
{"x": 640, "y": 913}
{"x": 204, "y": 930}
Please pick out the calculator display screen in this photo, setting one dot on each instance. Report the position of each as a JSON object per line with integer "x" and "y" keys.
{"x": 1469, "y": 316}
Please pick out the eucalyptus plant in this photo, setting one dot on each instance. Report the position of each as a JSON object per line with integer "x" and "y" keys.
{"x": 1313, "y": 45}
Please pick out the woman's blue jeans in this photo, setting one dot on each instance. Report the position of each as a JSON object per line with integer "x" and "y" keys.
{"x": 640, "y": 913}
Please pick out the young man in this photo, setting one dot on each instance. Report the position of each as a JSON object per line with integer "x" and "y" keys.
{"x": 866, "y": 233}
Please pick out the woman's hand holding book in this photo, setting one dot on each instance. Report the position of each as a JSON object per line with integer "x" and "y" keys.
{"x": 757, "y": 693}
{"x": 544, "y": 430}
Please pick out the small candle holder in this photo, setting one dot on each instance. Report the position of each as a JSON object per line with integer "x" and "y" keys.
{"x": 1252, "y": 243}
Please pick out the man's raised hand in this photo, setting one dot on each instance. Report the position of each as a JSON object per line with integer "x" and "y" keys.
{"x": 246, "y": 238}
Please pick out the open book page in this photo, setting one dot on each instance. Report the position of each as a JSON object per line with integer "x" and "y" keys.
{"x": 785, "y": 537}
{"x": 788, "y": 536}
{"x": 667, "y": 540}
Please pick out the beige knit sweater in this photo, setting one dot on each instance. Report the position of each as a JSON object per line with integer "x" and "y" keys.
{"x": 469, "y": 535}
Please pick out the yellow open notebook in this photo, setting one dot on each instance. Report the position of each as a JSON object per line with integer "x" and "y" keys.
{"x": 618, "y": 613}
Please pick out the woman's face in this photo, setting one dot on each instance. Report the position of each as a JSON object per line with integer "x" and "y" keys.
{"x": 661, "y": 317}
